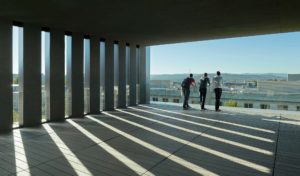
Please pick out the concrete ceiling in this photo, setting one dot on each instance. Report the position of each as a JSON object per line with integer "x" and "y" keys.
{"x": 152, "y": 22}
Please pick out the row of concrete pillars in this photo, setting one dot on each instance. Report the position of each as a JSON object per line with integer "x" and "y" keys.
{"x": 110, "y": 64}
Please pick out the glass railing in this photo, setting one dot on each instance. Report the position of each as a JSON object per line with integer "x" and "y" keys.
{"x": 68, "y": 102}
{"x": 127, "y": 94}
{"x": 102, "y": 97}
{"x": 16, "y": 115}
{"x": 275, "y": 95}
{"x": 116, "y": 96}
{"x": 86, "y": 100}
{"x": 16, "y": 105}
{"x": 138, "y": 93}
{"x": 44, "y": 107}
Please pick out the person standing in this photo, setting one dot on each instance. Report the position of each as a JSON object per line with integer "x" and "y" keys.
{"x": 204, "y": 82}
{"x": 218, "y": 82}
{"x": 186, "y": 83}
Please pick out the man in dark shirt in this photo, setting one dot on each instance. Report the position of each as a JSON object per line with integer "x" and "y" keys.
{"x": 204, "y": 81}
{"x": 186, "y": 83}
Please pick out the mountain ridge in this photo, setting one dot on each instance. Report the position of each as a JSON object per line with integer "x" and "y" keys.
{"x": 226, "y": 76}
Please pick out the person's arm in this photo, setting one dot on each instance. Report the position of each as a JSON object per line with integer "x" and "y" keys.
{"x": 193, "y": 83}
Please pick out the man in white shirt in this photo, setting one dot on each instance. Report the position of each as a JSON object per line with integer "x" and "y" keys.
{"x": 218, "y": 83}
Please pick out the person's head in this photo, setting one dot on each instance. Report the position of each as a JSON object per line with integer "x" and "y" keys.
{"x": 205, "y": 74}
{"x": 218, "y": 73}
{"x": 191, "y": 75}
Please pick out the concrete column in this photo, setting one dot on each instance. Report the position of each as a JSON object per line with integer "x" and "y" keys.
{"x": 55, "y": 77}
{"x": 144, "y": 75}
{"x": 109, "y": 76}
{"x": 133, "y": 75}
{"x": 122, "y": 75}
{"x": 95, "y": 75}
{"x": 77, "y": 76}
{"x": 6, "y": 104}
{"x": 30, "y": 77}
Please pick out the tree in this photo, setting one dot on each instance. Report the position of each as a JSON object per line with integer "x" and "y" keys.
{"x": 231, "y": 103}
{"x": 16, "y": 80}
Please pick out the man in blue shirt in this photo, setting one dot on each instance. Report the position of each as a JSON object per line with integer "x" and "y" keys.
{"x": 186, "y": 83}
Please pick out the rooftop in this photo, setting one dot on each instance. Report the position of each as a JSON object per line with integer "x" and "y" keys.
{"x": 157, "y": 139}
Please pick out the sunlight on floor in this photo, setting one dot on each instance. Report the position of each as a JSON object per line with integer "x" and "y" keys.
{"x": 20, "y": 154}
{"x": 75, "y": 163}
{"x": 290, "y": 122}
{"x": 208, "y": 126}
{"x": 248, "y": 147}
{"x": 116, "y": 154}
{"x": 213, "y": 120}
{"x": 197, "y": 146}
{"x": 157, "y": 150}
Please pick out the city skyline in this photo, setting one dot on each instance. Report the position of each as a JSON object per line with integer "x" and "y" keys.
{"x": 275, "y": 53}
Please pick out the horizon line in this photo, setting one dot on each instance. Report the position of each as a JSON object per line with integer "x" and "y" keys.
{"x": 222, "y": 73}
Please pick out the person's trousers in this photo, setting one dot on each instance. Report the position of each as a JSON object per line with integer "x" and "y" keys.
{"x": 186, "y": 95}
{"x": 218, "y": 93}
{"x": 202, "y": 97}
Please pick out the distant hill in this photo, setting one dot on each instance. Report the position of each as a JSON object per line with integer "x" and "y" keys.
{"x": 226, "y": 76}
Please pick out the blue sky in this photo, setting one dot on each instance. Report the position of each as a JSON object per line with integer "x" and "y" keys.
{"x": 276, "y": 53}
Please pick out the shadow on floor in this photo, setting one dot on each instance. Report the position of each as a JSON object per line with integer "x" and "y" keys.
{"x": 155, "y": 140}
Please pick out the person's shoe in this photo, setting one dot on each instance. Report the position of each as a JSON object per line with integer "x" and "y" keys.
{"x": 218, "y": 110}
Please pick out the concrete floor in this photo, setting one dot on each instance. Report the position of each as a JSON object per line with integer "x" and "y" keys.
{"x": 156, "y": 139}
